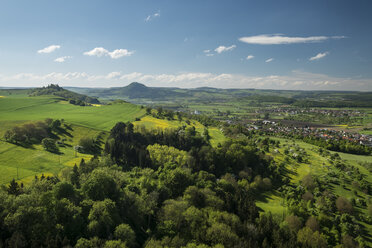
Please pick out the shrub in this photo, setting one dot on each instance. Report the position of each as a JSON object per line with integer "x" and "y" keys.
{"x": 343, "y": 205}
{"x": 308, "y": 182}
{"x": 294, "y": 222}
{"x": 50, "y": 145}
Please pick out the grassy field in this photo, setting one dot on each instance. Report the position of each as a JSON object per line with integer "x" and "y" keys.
{"x": 24, "y": 163}
{"x": 102, "y": 117}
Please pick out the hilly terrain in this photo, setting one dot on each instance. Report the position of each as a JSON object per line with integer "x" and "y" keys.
{"x": 55, "y": 90}
{"x": 18, "y": 107}
{"x": 183, "y": 176}
{"x": 137, "y": 92}
{"x": 132, "y": 91}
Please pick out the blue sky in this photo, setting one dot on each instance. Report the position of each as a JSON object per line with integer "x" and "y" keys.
{"x": 311, "y": 45}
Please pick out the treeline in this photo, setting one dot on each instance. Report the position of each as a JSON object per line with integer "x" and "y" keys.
{"x": 33, "y": 132}
{"x": 339, "y": 145}
{"x": 347, "y": 101}
{"x": 72, "y": 97}
{"x": 40, "y": 132}
{"x": 332, "y": 104}
{"x": 29, "y": 133}
{"x": 169, "y": 114}
{"x": 271, "y": 98}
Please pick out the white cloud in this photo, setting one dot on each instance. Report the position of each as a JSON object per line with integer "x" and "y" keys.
{"x": 222, "y": 49}
{"x": 118, "y": 53}
{"x": 269, "y": 60}
{"x": 249, "y": 57}
{"x": 62, "y": 59}
{"x": 208, "y": 53}
{"x": 49, "y": 49}
{"x": 100, "y": 51}
{"x": 297, "y": 80}
{"x": 153, "y": 16}
{"x": 114, "y": 74}
{"x": 319, "y": 56}
{"x": 279, "y": 39}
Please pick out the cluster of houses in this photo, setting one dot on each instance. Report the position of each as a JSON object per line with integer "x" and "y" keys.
{"x": 324, "y": 133}
{"x": 327, "y": 112}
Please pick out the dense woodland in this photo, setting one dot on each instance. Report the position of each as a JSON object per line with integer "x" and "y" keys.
{"x": 171, "y": 188}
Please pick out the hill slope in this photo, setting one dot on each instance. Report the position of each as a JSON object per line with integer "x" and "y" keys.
{"x": 55, "y": 90}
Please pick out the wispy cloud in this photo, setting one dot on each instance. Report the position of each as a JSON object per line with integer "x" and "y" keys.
{"x": 222, "y": 49}
{"x": 249, "y": 57}
{"x": 100, "y": 51}
{"x": 62, "y": 59}
{"x": 269, "y": 60}
{"x": 319, "y": 56}
{"x": 153, "y": 16}
{"x": 296, "y": 80}
{"x": 208, "y": 53}
{"x": 49, "y": 49}
{"x": 280, "y": 39}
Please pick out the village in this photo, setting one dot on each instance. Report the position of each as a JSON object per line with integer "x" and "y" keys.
{"x": 277, "y": 128}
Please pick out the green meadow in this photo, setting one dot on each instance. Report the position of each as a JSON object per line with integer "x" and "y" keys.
{"x": 101, "y": 117}
{"x": 24, "y": 163}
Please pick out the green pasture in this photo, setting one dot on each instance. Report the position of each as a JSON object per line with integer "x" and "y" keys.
{"x": 24, "y": 163}
{"x": 101, "y": 117}
{"x": 86, "y": 122}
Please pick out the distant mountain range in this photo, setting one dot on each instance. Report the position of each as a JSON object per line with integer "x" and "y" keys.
{"x": 141, "y": 94}
{"x": 140, "y": 91}
{"x": 132, "y": 91}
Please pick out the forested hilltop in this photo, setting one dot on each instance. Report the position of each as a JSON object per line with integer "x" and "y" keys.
{"x": 121, "y": 175}
{"x": 72, "y": 97}
{"x": 173, "y": 189}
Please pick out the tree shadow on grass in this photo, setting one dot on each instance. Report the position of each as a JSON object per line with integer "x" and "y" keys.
{"x": 23, "y": 145}
{"x": 365, "y": 232}
{"x": 267, "y": 195}
{"x": 56, "y": 152}
{"x": 68, "y": 127}
{"x": 62, "y": 131}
